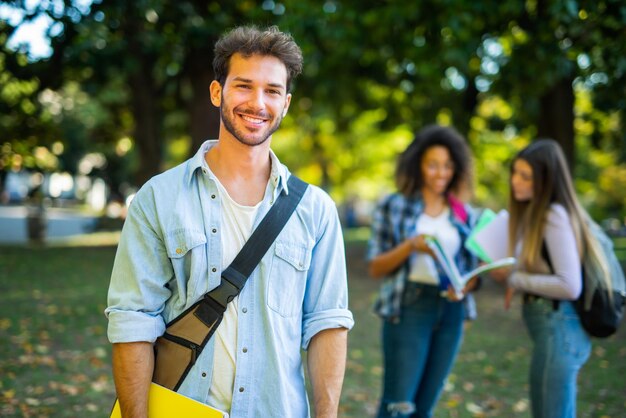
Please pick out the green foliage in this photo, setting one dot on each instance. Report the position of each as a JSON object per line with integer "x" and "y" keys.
{"x": 361, "y": 160}
{"x": 374, "y": 72}
{"x": 26, "y": 124}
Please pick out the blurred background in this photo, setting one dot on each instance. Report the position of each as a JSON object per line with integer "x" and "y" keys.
{"x": 98, "y": 96}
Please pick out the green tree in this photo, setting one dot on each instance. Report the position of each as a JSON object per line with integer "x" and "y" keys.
{"x": 502, "y": 72}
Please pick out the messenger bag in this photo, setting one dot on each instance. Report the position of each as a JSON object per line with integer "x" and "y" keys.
{"x": 186, "y": 335}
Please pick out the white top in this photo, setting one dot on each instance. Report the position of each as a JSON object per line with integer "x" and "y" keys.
{"x": 423, "y": 268}
{"x": 237, "y": 223}
{"x": 566, "y": 282}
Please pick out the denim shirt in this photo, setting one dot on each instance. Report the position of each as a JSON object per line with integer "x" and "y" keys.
{"x": 395, "y": 220}
{"x": 169, "y": 255}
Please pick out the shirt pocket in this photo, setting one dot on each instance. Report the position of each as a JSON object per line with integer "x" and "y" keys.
{"x": 287, "y": 279}
{"x": 187, "y": 253}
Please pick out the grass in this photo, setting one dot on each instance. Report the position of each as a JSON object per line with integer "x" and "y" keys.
{"x": 54, "y": 355}
{"x": 55, "y": 358}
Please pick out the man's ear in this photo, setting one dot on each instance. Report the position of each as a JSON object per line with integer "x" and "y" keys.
{"x": 216, "y": 93}
{"x": 287, "y": 103}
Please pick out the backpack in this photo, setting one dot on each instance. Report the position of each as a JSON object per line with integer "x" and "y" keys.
{"x": 599, "y": 313}
{"x": 600, "y": 308}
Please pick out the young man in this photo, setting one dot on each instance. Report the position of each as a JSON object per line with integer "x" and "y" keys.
{"x": 187, "y": 224}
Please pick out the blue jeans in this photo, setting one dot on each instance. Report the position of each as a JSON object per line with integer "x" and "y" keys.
{"x": 419, "y": 351}
{"x": 560, "y": 348}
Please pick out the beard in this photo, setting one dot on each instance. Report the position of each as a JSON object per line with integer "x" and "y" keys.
{"x": 245, "y": 137}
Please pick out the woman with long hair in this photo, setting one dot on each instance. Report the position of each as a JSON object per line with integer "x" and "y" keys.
{"x": 548, "y": 234}
{"x": 423, "y": 319}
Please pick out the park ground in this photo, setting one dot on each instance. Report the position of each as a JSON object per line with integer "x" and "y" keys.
{"x": 55, "y": 358}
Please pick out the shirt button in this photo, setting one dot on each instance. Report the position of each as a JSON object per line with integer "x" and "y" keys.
{"x": 179, "y": 251}
{"x": 241, "y": 389}
{"x": 244, "y": 310}
{"x": 203, "y": 374}
{"x": 245, "y": 350}
{"x": 212, "y": 196}
{"x": 204, "y": 170}
{"x": 214, "y": 230}
{"x": 213, "y": 269}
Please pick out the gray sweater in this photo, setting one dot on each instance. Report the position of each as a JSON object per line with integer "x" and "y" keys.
{"x": 566, "y": 281}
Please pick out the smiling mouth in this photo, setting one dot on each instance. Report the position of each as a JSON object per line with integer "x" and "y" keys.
{"x": 252, "y": 119}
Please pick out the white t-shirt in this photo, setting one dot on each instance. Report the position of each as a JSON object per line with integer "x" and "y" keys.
{"x": 423, "y": 268}
{"x": 237, "y": 223}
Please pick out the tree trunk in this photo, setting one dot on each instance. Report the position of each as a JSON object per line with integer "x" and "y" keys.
{"x": 622, "y": 141}
{"x": 147, "y": 131}
{"x": 145, "y": 104}
{"x": 470, "y": 101}
{"x": 204, "y": 118}
{"x": 556, "y": 117}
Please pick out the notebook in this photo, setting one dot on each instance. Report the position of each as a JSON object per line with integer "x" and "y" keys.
{"x": 458, "y": 280}
{"x": 490, "y": 239}
{"x": 164, "y": 403}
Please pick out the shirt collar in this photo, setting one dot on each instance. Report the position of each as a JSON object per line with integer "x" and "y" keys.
{"x": 278, "y": 174}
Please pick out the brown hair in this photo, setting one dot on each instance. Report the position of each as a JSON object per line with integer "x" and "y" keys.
{"x": 248, "y": 41}
{"x": 552, "y": 183}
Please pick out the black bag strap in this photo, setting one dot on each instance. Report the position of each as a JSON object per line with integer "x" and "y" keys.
{"x": 546, "y": 256}
{"x": 234, "y": 277}
{"x": 186, "y": 335}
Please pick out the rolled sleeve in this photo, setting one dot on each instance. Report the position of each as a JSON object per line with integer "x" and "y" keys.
{"x": 320, "y": 321}
{"x": 138, "y": 291}
{"x": 326, "y": 299}
{"x": 129, "y": 326}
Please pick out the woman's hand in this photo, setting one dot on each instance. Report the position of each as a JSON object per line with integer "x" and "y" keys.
{"x": 500, "y": 275}
{"x": 508, "y": 297}
{"x": 469, "y": 286}
{"x": 418, "y": 243}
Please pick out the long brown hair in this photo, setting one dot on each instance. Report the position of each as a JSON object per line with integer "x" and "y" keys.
{"x": 552, "y": 183}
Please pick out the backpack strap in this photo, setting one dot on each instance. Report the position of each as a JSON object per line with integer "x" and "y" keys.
{"x": 546, "y": 256}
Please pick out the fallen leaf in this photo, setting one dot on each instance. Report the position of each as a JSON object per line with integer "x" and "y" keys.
{"x": 8, "y": 394}
{"x": 100, "y": 352}
{"x": 474, "y": 409}
{"x": 32, "y": 401}
{"x": 5, "y": 324}
{"x": 468, "y": 386}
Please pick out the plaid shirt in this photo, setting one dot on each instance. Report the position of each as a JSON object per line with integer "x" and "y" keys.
{"x": 395, "y": 220}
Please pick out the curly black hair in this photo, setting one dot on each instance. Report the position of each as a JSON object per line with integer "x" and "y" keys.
{"x": 409, "y": 168}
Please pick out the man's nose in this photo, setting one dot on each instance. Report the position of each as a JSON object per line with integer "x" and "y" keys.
{"x": 257, "y": 99}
